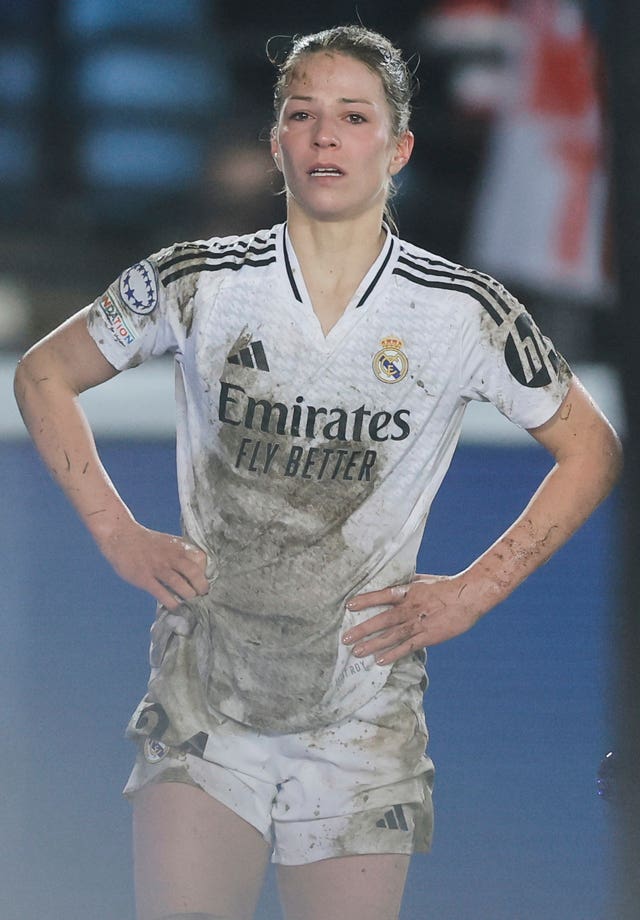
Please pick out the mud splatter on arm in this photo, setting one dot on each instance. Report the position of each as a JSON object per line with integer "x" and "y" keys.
{"x": 588, "y": 460}
{"x": 48, "y": 380}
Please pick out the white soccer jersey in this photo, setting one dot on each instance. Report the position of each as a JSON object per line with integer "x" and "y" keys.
{"x": 307, "y": 463}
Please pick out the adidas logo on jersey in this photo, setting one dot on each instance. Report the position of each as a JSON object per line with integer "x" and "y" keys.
{"x": 394, "y": 819}
{"x": 253, "y": 355}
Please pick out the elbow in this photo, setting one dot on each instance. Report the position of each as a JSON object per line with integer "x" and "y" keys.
{"x": 611, "y": 456}
{"x": 30, "y": 373}
{"x": 615, "y": 453}
{"x": 21, "y": 380}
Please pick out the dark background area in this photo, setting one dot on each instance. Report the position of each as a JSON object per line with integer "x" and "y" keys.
{"x": 126, "y": 126}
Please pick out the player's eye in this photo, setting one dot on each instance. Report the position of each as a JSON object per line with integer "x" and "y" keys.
{"x": 355, "y": 118}
{"x": 299, "y": 116}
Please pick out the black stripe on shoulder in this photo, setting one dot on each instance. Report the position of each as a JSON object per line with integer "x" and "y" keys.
{"x": 190, "y": 255}
{"x": 208, "y": 267}
{"x": 178, "y": 247}
{"x": 463, "y": 280}
{"x": 450, "y": 286}
{"x": 223, "y": 244}
{"x": 434, "y": 266}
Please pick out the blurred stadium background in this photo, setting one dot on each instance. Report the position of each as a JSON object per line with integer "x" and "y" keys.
{"x": 126, "y": 126}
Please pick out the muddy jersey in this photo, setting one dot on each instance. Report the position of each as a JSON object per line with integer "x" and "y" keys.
{"x": 307, "y": 463}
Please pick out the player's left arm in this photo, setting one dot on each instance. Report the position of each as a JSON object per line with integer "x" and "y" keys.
{"x": 432, "y": 609}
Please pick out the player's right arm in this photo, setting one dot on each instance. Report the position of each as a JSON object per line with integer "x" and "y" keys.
{"x": 48, "y": 381}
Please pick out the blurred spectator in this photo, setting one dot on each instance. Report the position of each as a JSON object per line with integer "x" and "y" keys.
{"x": 463, "y": 45}
{"x": 472, "y": 39}
{"x": 540, "y": 220}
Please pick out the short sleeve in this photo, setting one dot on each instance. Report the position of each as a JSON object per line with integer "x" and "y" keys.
{"x": 506, "y": 360}
{"x": 135, "y": 319}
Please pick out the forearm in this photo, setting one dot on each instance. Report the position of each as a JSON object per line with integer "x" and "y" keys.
{"x": 433, "y": 608}
{"x": 48, "y": 382}
{"x": 562, "y": 503}
{"x": 60, "y": 431}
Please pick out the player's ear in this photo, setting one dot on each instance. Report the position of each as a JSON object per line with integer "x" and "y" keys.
{"x": 402, "y": 153}
{"x": 275, "y": 149}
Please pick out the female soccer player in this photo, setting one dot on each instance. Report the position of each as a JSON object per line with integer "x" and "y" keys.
{"x": 322, "y": 371}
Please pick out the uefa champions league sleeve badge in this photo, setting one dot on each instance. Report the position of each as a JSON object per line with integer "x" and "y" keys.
{"x": 390, "y": 364}
{"x": 139, "y": 287}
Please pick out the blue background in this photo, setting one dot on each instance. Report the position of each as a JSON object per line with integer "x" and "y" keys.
{"x": 517, "y": 708}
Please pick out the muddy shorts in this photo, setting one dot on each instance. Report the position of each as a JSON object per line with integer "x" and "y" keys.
{"x": 362, "y": 785}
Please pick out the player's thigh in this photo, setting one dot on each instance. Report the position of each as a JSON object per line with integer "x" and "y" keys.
{"x": 193, "y": 855}
{"x": 366, "y": 887}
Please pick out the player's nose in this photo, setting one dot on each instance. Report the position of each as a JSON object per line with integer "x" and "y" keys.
{"x": 325, "y": 133}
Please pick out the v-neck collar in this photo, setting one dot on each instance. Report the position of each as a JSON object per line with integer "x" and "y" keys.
{"x": 362, "y": 295}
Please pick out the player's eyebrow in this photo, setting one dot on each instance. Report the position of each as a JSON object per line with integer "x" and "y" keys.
{"x": 343, "y": 99}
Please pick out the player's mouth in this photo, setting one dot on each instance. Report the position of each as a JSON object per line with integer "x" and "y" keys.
{"x": 326, "y": 171}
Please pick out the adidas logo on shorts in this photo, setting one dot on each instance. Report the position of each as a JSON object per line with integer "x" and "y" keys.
{"x": 394, "y": 819}
{"x": 251, "y": 356}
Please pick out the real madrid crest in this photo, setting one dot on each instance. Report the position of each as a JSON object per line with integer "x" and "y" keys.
{"x": 154, "y": 750}
{"x": 390, "y": 364}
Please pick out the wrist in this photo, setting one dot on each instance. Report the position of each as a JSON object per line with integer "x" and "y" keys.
{"x": 497, "y": 573}
{"x": 106, "y": 521}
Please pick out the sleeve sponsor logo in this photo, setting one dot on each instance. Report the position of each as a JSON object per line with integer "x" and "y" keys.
{"x": 529, "y": 356}
{"x": 116, "y": 323}
{"x": 139, "y": 287}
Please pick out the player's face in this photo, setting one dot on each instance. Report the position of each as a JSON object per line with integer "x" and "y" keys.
{"x": 334, "y": 141}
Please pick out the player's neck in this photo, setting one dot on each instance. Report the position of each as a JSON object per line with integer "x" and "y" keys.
{"x": 334, "y": 257}
{"x": 343, "y": 248}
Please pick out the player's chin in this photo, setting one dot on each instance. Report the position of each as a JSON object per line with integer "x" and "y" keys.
{"x": 323, "y": 204}
{"x": 336, "y": 211}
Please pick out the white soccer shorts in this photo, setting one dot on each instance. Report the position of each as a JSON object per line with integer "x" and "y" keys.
{"x": 362, "y": 785}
